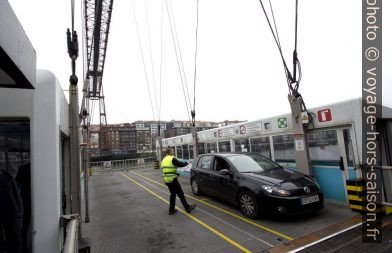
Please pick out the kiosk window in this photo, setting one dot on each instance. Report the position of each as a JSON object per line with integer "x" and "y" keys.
{"x": 284, "y": 147}
{"x": 15, "y": 174}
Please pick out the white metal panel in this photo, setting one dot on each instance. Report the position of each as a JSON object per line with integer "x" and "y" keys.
{"x": 16, "y": 103}
{"x": 47, "y": 110}
{"x": 15, "y": 43}
{"x": 63, "y": 110}
{"x": 46, "y": 169}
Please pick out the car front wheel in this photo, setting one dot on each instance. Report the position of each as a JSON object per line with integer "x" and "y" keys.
{"x": 248, "y": 204}
{"x": 195, "y": 187}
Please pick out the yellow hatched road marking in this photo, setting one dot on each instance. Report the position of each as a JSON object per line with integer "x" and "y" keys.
{"x": 232, "y": 242}
{"x": 225, "y": 211}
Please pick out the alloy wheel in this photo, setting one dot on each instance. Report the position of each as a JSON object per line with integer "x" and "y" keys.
{"x": 247, "y": 204}
{"x": 195, "y": 187}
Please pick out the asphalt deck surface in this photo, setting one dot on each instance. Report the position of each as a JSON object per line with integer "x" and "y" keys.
{"x": 129, "y": 213}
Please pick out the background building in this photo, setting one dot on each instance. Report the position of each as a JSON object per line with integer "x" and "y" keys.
{"x": 140, "y": 136}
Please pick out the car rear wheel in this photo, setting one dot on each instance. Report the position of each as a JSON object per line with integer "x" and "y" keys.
{"x": 248, "y": 204}
{"x": 195, "y": 187}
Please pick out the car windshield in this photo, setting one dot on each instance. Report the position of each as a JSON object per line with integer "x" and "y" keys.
{"x": 252, "y": 163}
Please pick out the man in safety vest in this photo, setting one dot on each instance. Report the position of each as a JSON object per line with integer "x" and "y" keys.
{"x": 169, "y": 170}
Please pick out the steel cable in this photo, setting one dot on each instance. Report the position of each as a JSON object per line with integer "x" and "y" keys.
{"x": 144, "y": 64}
{"x": 177, "y": 58}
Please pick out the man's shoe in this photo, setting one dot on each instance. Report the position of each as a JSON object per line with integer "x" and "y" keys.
{"x": 172, "y": 212}
{"x": 190, "y": 208}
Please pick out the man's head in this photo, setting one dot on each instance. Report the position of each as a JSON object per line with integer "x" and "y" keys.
{"x": 169, "y": 151}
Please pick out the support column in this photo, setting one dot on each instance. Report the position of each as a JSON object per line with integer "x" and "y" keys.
{"x": 300, "y": 137}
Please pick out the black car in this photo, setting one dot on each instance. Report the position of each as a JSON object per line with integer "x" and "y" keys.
{"x": 255, "y": 183}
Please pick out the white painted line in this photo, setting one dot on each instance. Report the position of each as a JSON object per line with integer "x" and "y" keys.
{"x": 325, "y": 238}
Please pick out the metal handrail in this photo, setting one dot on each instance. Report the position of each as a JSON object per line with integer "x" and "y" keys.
{"x": 71, "y": 239}
{"x": 383, "y": 167}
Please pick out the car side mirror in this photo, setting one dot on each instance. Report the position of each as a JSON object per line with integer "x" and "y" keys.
{"x": 224, "y": 172}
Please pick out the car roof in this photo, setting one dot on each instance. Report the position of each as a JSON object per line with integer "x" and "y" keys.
{"x": 227, "y": 154}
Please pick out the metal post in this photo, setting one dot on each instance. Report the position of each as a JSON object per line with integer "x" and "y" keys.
{"x": 86, "y": 178}
{"x": 194, "y": 133}
{"x": 74, "y": 146}
{"x": 300, "y": 137}
{"x": 195, "y": 153}
{"x": 86, "y": 144}
{"x": 74, "y": 123}
{"x": 159, "y": 155}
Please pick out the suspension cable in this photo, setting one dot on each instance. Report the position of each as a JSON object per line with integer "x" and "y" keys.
{"x": 73, "y": 14}
{"x": 195, "y": 72}
{"x": 177, "y": 57}
{"x": 151, "y": 58}
{"x": 287, "y": 71}
{"x": 295, "y": 59}
{"x": 276, "y": 29}
{"x": 160, "y": 68}
{"x": 179, "y": 50}
{"x": 144, "y": 64}
{"x": 292, "y": 81}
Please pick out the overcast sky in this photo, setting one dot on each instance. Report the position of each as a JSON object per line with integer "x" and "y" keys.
{"x": 239, "y": 71}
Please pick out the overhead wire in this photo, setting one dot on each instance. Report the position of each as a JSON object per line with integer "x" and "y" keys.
{"x": 144, "y": 64}
{"x": 292, "y": 80}
{"x": 160, "y": 66}
{"x": 177, "y": 58}
{"x": 195, "y": 71}
{"x": 180, "y": 54}
{"x": 151, "y": 57}
{"x": 73, "y": 14}
{"x": 276, "y": 41}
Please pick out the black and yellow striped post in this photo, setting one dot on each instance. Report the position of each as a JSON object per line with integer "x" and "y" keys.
{"x": 356, "y": 191}
{"x": 90, "y": 172}
{"x": 156, "y": 165}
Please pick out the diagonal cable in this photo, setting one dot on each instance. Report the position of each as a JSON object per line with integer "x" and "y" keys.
{"x": 179, "y": 50}
{"x": 160, "y": 68}
{"x": 144, "y": 64}
{"x": 177, "y": 57}
{"x": 195, "y": 72}
{"x": 151, "y": 58}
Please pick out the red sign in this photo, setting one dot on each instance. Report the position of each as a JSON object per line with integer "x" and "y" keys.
{"x": 324, "y": 115}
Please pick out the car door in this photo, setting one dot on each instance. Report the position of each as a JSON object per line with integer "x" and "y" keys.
{"x": 204, "y": 168}
{"x": 224, "y": 186}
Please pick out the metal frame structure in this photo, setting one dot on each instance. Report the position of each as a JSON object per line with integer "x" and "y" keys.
{"x": 96, "y": 25}
{"x": 97, "y": 17}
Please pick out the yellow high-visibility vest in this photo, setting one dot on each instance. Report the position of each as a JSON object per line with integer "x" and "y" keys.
{"x": 169, "y": 171}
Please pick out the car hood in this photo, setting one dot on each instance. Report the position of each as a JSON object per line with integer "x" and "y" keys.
{"x": 285, "y": 178}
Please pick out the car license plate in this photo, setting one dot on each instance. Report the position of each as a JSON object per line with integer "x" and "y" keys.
{"x": 311, "y": 199}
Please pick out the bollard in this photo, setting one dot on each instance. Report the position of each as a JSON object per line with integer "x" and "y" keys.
{"x": 356, "y": 191}
{"x": 90, "y": 172}
{"x": 156, "y": 165}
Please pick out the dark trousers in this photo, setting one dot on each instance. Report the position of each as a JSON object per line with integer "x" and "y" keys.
{"x": 175, "y": 189}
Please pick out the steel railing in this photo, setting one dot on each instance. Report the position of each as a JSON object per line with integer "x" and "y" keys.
{"x": 384, "y": 169}
{"x": 118, "y": 165}
{"x": 71, "y": 243}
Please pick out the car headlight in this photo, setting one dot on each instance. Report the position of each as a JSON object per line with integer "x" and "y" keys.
{"x": 275, "y": 190}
